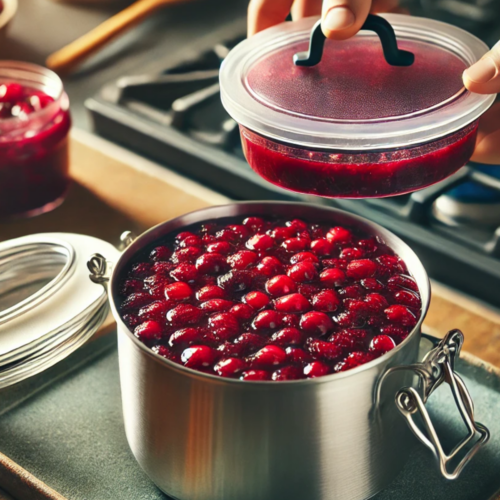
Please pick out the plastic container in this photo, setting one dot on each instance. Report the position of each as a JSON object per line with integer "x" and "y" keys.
{"x": 34, "y": 126}
{"x": 352, "y": 125}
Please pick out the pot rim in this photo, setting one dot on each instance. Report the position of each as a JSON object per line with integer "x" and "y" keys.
{"x": 156, "y": 232}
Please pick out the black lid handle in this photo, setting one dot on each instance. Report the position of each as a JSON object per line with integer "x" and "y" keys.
{"x": 393, "y": 55}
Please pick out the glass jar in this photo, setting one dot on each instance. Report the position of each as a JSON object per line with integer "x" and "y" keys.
{"x": 34, "y": 126}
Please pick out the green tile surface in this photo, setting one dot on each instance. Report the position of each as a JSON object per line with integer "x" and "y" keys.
{"x": 66, "y": 428}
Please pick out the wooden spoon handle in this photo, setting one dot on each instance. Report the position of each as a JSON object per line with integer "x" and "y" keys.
{"x": 67, "y": 58}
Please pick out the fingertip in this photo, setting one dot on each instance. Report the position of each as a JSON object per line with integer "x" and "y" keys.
{"x": 338, "y": 22}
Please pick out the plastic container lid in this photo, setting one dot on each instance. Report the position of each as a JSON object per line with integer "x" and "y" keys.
{"x": 353, "y": 99}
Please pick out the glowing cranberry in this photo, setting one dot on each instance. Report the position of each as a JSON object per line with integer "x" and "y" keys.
{"x": 326, "y": 301}
{"x": 280, "y": 285}
{"x": 135, "y": 301}
{"x": 148, "y": 330}
{"x": 390, "y": 264}
{"x": 282, "y": 233}
{"x": 224, "y": 325}
{"x": 156, "y": 310}
{"x": 353, "y": 360}
{"x": 359, "y": 269}
{"x": 304, "y": 257}
{"x": 242, "y": 312}
{"x": 402, "y": 281}
{"x": 178, "y": 291}
{"x": 332, "y": 277}
{"x": 269, "y": 266}
{"x": 220, "y": 247}
{"x": 316, "y": 323}
{"x": 210, "y": 292}
{"x": 291, "y": 320}
{"x": 235, "y": 281}
{"x": 295, "y": 244}
{"x": 267, "y": 320}
{"x": 185, "y": 272}
{"x": 288, "y": 373}
{"x": 372, "y": 285}
{"x": 382, "y": 344}
{"x": 255, "y": 375}
{"x": 287, "y": 336}
{"x": 351, "y": 253}
{"x": 297, "y": 225}
{"x": 376, "y": 302}
{"x": 184, "y": 314}
{"x": 407, "y": 298}
{"x": 268, "y": 357}
{"x": 161, "y": 253}
{"x": 211, "y": 263}
{"x": 256, "y": 300}
{"x": 184, "y": 337}
{"x": 400, "y": 315}
{"x": 322, "y": 247}
{"x": 297, "y": 355}
{"x": 254, "y": 224}
{"x": 242, "y": 259}
{"x": 351, "y": 292}
{"x": 303, "y": 272}
{"x": 229, "y": 367}
{"x": 339, "y": 235}
{"x": 293, "y": 303}
{"x": 131, "y": 286}
{"x": 260, "y": 242}
{"x": 316, "y": 369}
{"x": 216, "y": 305}
{"x": 141, "y": 270}
{"x": 199, "y": 356}
{"x": 189, "y": 255}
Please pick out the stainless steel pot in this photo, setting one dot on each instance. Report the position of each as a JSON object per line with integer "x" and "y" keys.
{"x": 342, "y": 436}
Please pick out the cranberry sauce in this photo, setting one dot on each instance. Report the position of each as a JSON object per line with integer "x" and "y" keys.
{"x": 33, "y": 151}
{"x": 336, "y": 174}
{"x": 270, "y": 300}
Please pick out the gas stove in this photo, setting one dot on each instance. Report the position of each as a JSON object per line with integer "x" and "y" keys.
{"x": 171, "y": 112}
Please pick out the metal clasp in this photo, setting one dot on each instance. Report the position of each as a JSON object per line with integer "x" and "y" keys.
{"x": 99, "y": 268}
{"x": 438, "y": 366}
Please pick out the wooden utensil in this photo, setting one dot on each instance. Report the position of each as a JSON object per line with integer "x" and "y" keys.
{"x": 66, "y": 59}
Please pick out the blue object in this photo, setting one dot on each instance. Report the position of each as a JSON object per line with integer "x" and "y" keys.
{"x": 472, "y": 192}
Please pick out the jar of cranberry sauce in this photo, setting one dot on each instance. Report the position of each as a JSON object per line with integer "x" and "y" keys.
{"x": 34, "y": 126}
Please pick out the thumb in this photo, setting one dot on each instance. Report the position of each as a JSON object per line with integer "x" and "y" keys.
{"x": 483, "y": 77}
{"x": 342, "y": 19}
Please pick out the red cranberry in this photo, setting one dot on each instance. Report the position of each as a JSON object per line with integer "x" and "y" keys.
{"x": 185, "y": 272}
{"x": 316, "y": 323}
{"x": 339, "y": 235}
{"x": 382, "y": 344}
{"x": 141, "y": 270}
{"x": 293, "y": 303}
{"x": 178, "y": 291}
{"x": 211, "y": 263}
{"x": 160, "y": 253}
{"x": 11, "y": 92}
{"x": 229, "y": 367}
{"x": 303, "y": 272}
{"x": 372, "y": 285}
{"x": 376, "y": 302}
{"x": 199, "y": 356}
{"x": 260, "y": 242}
{"x": 226, "y": 235}
{"x": 220, "y": 247}
{"x": 280, "y": 285}
{"x": 336, "y": 263}
{"x": 353, "y": 360}
{"x": 369, "y": 245}
{"x": 316, "y": 369}
{"x": 349, "y": 339}
{"x": 250, "y": 342}
{"x": 304, "y": 257}
{"x": 308, "y": 290}
{"x": 351, "y": 253}
{"x": 131, "y": 286}
{"x": 239, "y": 230}
{"x": 295, "y": 244}
{"x": 351, "y": 292}
{"x": 254, "y": 224}
{"x": 183, "y": 235}
{"x": 216, "y": 305}
{"x": 268, "y": 356}
{"x": 163, "y": 268}
{"x": 156, "y": 310}
{"x": 163, "y": 351}
{"x": 224, "y": 325}
{"x": 325, "y": 350}
{"x": 191, "y": 241}
{"x": 288, "y": 373}
{"x": 297, "y": 355}
{"x": 390, "y": 264}
{"x": 131, "y": 320}
{"x": 326, "y": 301}
{"x": 157, "y": 280}
{"x": 348, "y": 319}
{"x": 407, "y": 298}
{"x": 255, "y": 375}
{"x": 358, "y": 307}
{"x": 269, "y": 266}
{"x": 359, "y": 269}
{"x": 242, "y": 259}
{"x": 242, "y": 312}
{"x": 400, "y": 315}
{"x": 184, "y": 337}
{"x": 148, "y": 330}
{"x": 229, "y": 350}
{"x": 297, "y": 225}
{"x": 395, "y": 332}
{"x": 402, "y": 281}
{"x": 235, "y": 281}
{"x": 189, "y": 255}
{"x": 287, "y": 336}
{"x": 184, "y": 314}
{"x": 282, "y": 233}
{"x": 210, "y": 292}
{"x": 291, "y": 320}
{"x": 257, "y": 300}
{"x": 267, "y": 320}
{"x": 332, "y": 277}
{"x": 135, "y": 301}
{"x": 322, "y": 247}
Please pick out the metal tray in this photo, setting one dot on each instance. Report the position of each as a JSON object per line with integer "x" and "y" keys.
{"x": 65, "y": 427}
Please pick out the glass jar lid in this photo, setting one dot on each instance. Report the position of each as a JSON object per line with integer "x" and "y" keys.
{"x": 353, "y": 99}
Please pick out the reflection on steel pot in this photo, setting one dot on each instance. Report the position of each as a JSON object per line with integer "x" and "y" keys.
{"x": 200, "y": 437}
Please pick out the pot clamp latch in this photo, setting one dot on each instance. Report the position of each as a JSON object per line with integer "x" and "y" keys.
{"x": 438, "y": 366}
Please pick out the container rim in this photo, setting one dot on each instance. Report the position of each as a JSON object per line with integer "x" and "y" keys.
{"x": 261, "y": 208}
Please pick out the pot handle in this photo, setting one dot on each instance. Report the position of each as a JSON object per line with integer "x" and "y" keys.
{"x": 438, "y": 366}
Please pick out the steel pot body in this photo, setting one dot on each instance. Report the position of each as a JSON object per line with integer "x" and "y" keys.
{"x": 200, "y": 437}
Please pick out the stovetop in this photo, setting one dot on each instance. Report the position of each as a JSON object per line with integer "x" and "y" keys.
{"x": 170, "y": 111}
